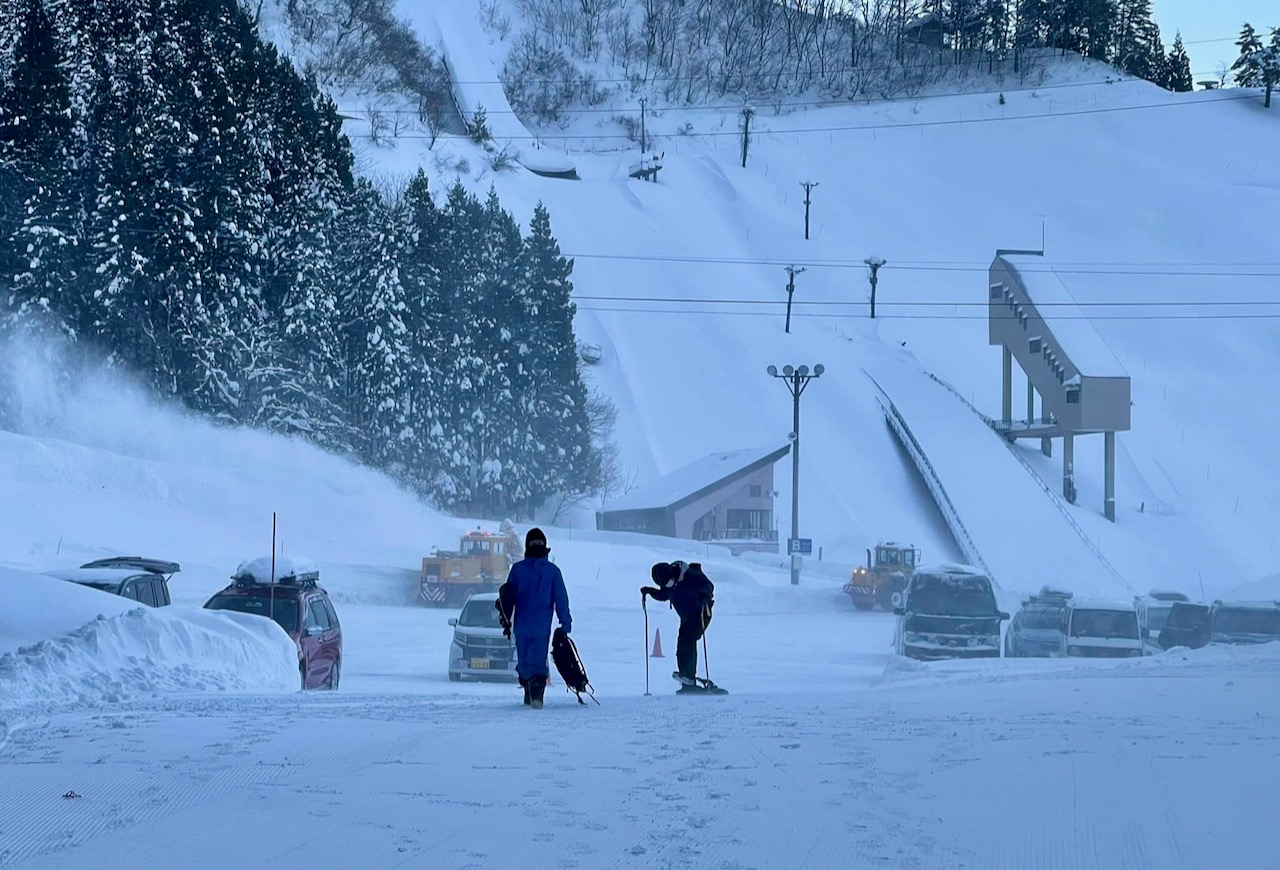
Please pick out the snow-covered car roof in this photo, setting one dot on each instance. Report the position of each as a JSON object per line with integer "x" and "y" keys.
{"x": 1102, "y": 604}
{"x": 113, "y": 576}
{"x": 1164, "y": 596}
{"x": 286, "y": 568}
{"x": 950, "y": 568}
{"x": 484, "y": 596}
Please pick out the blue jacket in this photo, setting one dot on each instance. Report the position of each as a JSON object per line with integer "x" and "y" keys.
{"x": 533, "y": 591}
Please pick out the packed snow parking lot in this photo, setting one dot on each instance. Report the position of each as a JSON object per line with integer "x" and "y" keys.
{"x": 311, "y": 312}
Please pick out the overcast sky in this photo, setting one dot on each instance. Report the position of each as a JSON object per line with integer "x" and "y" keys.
{"x": 1201, "y": 20}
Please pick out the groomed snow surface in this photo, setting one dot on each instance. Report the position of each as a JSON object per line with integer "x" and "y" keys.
{"x": 180, "y": 733}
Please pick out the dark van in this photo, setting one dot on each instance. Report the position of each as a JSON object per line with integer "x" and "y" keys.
{"x": 948, "y": 612}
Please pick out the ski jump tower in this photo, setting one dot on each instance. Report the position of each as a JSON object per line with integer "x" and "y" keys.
{"x": 1083, "y": 388}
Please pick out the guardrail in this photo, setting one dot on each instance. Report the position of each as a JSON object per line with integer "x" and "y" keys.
{"x": 949, "y": 512}
{"x": 1048, "y": 490}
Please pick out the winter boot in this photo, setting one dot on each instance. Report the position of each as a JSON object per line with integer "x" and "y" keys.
{"x": 682, "y": 679}
{"x": 537, "y": 687}
{"x": 528, "y": 698}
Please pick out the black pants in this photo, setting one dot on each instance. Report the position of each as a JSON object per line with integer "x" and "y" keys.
{"x": 691, "y": 631}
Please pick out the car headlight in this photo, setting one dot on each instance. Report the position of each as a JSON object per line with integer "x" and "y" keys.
{"x": 460, "y": 639}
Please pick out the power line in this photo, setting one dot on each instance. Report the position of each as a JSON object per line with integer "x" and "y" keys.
{"x": 974, "y": 317}
{"x": 805, "y": 131}
{"x": 1216, "y": 270}
{"x": 938, "y": 303}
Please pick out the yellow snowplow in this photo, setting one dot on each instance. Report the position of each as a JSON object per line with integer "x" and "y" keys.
{"x": 480, "y": 564}
{"x": 876, "y": 582}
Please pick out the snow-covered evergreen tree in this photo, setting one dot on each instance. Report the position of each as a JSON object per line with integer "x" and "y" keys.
{"x": 1178, "y": 67}
{"x": 566, "y": 461}
{"x": 1258, "y": 67}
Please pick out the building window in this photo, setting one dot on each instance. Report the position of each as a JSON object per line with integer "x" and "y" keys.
{"x": 1073, "y": 396}
{"x": 756, "y": 490}
{"x": 747, "y": 520}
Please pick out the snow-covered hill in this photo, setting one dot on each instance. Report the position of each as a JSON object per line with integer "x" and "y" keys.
{"x": 1157, "y": 208}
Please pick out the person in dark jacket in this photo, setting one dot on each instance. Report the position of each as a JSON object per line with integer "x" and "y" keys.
{"x": 692, "y": 595}
{"x": 533, "y": 592}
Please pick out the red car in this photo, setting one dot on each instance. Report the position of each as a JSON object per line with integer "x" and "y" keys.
{"x": 288, "y": 591}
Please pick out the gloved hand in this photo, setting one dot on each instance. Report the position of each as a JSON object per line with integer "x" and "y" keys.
{"x": 564, "y": 628}
{"x": 644, "y": 592}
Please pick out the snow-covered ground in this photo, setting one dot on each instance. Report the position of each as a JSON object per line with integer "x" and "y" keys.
{"x": 179, "y": 732}
{"x": 177, "y": 735}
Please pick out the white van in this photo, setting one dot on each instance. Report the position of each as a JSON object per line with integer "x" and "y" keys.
{"x": 479, "y": 649}
{"x": 1101, "y": 629}
{"x": 1153, "y": 609}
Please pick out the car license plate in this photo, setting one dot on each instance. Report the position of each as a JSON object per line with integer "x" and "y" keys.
{"x": 480, "y": 664}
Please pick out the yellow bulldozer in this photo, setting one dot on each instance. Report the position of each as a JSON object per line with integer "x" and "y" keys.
{"x": 480, "y": 564}
{"x": 876, "y": 582}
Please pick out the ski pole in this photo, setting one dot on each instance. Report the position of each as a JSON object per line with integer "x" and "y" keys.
{"x": 644, "y": 605}
{"x": 706, "y": 661}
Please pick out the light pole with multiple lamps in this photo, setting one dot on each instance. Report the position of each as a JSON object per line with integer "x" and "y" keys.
{"x": 796, "y": 379}
{"x": 874, "y": 264}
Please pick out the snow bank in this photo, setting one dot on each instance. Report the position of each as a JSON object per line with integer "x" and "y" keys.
{"x": 127, "y": 650}
{"x": 34, "y": 608}
{"x": 1264, "y": 658}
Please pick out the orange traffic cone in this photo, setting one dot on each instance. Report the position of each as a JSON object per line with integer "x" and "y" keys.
{"x": 657, "y": 644}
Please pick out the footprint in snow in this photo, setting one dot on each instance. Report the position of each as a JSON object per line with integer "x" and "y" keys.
{"x": 791, "y": 746}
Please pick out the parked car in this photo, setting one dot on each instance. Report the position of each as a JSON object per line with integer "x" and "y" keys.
{"x": 144, "y": 580}
{"x": 948, "y": 611}
{"x": 1036, "y": 629}
{"x": 1240, "y": 622}
{"x": 1101, "y": 629}
{"x": 479, "y": 649}
{"x": 1153, "y": 609}
{"x": 290, "y": 593}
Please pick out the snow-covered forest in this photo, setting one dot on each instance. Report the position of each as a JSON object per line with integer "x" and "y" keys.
{"x": 178, "y": 201}
{"x": 691, "y": 50}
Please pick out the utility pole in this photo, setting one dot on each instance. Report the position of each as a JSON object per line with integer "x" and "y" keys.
{"x": 796, "y": 379}
{"x": 808, "y": 186}
{"x": 875, "y": 263}
{"x": 747, "y": 113}
{"x": 792, "y": 272}
{"x": 643, "y": 142}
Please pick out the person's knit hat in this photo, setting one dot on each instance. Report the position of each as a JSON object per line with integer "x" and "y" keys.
{"x": 535, "y": 539}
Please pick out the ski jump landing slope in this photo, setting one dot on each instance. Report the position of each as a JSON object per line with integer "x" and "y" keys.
{"x": 454, "y": 28}
{"x": 1002, "y": 517}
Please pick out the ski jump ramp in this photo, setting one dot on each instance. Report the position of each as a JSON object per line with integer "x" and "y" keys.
{"x": 1004, "y": 518}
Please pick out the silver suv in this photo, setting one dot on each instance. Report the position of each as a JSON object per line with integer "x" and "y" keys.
{"x": 144, "y": 580}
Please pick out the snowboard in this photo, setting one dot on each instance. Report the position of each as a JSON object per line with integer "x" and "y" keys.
{"x": 703, "y": 687}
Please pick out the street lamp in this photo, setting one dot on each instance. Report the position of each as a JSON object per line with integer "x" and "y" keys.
{"x": 796, "y": 379}
{"x": 875, "y": 263}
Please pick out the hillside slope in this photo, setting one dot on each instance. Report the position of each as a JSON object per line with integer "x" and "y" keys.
{"x": 1166, "y": 194}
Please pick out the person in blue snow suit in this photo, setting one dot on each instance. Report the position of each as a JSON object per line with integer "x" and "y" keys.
{"x": 533, "y": 592}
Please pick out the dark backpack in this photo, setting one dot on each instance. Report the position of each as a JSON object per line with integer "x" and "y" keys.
{"x": 564, "y": 652}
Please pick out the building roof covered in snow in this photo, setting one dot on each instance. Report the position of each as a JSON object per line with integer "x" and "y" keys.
{"x": 696, "y": 479}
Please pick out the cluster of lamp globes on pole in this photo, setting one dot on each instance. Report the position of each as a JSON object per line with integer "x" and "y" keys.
{"x": 796, "y": 379}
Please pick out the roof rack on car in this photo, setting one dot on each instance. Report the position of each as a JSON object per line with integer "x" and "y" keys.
{"x": 282, "y": 571}
{"x": 141, "y": 563}
{"x": 1050, "y": 595}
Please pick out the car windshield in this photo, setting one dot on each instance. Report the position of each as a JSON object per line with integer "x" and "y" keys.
{"x": 952, "y": 596}
{"x": 1247, "y": 620}
{"x": 284, "y": 610}
{"x": 1104, "y": 623}
{"x": 479, "y": 614}
{"x": 1157, "y": 617}
{"x": 1042, "y": 618}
